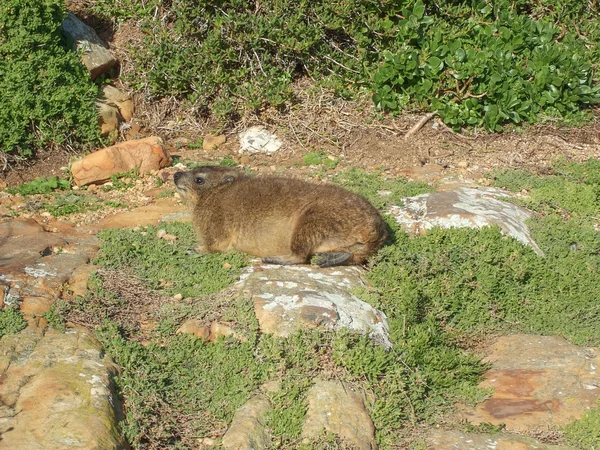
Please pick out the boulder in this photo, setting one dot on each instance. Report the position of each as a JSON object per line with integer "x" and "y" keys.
{"x": 143, "y": 155}
{"x": 94, "y": 54}
{"x": 465, "y": 207}
{"x": 537, "y": 381}
{"x": 247, "y": 430}
{"x": 57, "y": 392}
{"x": 315, "y": 298}
{"x": 337, "y": 408}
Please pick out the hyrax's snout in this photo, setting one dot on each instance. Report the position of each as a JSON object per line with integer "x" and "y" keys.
{"x": 178, "y": 176}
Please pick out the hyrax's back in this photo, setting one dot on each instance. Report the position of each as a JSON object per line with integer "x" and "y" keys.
{"x": 287, "y": 221}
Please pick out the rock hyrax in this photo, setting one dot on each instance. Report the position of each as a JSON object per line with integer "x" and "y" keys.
{"x": 282, "y": 220}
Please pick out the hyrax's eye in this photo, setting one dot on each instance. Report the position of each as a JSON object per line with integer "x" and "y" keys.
{"x": 199, "y": 180}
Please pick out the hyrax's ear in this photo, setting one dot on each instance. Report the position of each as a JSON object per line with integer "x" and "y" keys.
{"x": 227, "y": 179}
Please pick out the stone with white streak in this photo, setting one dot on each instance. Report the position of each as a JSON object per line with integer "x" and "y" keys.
{"x": 466, "y": 207}
{"x": 287, "y": 298}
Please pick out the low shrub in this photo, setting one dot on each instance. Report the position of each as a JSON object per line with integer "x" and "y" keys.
{"x": 46, "y": 95}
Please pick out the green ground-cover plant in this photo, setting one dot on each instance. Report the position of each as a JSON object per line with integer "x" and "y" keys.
{"x": 437, "y": 290}
{"x": 11, "y": 321}
{"x": 380, "y": 191}
{"x": 320, "y": 158}
{"x": 41, "y": 186}
{"x": 46, "y": 95}
{"x": 585, "y": 433}
{"x": 475, "y": 62}
{"x": 157, "y": 259}
{"x": 76, "y": 202}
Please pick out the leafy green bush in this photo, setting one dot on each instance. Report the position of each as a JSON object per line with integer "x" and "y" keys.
{"x": 46, "y": 96}
{"x": 477, "y": 63}
{"x": 486, "y": 67}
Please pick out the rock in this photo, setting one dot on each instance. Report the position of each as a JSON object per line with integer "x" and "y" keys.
{"x": 211, "y": 141}
{"x": 218, "y": 329}
{"x": 209, "y": 334}
{"x": 121, "y": 100}
{"x": 245, "y": 160}
{"x": 108, "y": 119}
{"x": 57, "y": 392}
{"x": 163, "y": 210}
{"x": 258, "y": 140}
{"x": 465, "y": 207}
{"x": 195, "y": 327}
{"x": 462, "y": 164}
{"x": 315, "y": 297}
{"x": 538, "y": 380}
{"x": 143, "y": 155}
{"x": 458, "y": 440}
{"x": 247, "y": 430}
{"x": 78, "y": 281}
{"x": 94, "y": 54}
{"x": 31, "y": 265}
{"x": 35, "y": 306}
{"x": 335, "y": 407}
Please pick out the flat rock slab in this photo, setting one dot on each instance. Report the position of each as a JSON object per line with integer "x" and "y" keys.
{"x": 465, "y": 207}
{"x": 95, "y": 56}
{"x": 458, "y": 440}
{"x": 56, "y": 392}
{"x": 287, "y": 298}
{"x": 163, "y": 210}
{"x": 35, "y": 264}
{"x": 538, "y": 380}
{"x": 335, "y": 407}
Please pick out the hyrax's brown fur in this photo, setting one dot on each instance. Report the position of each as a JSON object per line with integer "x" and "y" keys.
{"x": 282, "y": 220}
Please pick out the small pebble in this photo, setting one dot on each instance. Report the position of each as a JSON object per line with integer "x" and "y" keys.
{"x": 178, "y": 297}
{"x": 161, "y": 233}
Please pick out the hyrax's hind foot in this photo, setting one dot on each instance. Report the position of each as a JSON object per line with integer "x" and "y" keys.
{"x": 331, "y": 259}
{"x": 284, "y": 260}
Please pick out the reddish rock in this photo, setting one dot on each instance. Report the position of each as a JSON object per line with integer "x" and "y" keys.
{"x": 144, "y": 155}
{"x": 538, "y": 380}
{"x": 458, "y": 440}
{"x": 36, "y": 306}
{"x": 35, "y": 263}
{"x": 78, "y": 281}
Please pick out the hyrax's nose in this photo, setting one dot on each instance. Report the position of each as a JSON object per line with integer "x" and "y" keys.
{"x": 177, "y": 176}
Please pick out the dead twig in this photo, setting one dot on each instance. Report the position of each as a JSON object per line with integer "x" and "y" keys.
{"x": 419, "y": 125}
